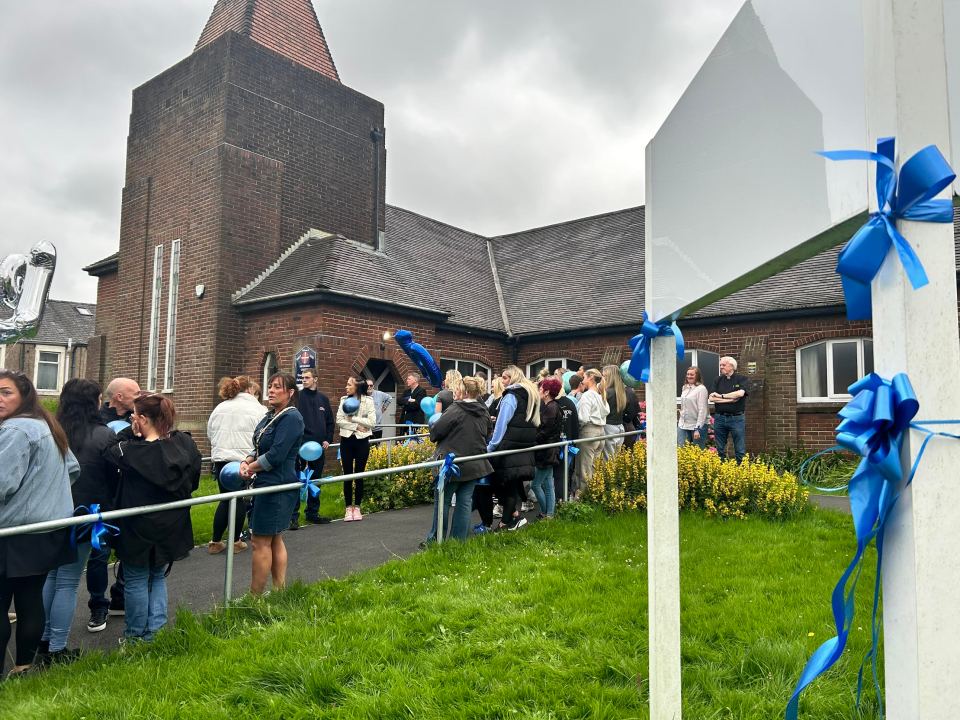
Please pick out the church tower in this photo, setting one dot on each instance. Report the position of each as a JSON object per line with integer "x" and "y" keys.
{"x": 232, "y": 155}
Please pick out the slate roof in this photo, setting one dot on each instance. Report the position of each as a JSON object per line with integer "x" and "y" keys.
{"x": 435, "y": 267}
{"x": 62, "y": 321}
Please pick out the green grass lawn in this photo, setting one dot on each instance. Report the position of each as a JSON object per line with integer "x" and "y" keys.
{"x": 331, "y": 506}
{"x": 549, "y": 622}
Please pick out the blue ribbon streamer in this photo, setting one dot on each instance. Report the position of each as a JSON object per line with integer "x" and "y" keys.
{"x": 448, "y": 471}
{"x": 308, "y": 487}
{"x": 640, "y": 344}
{"x": 569, "y": 452}
{"x": 97, "y": 529}
{"x": 873, "y": 426}
{"x": 909, "y": 197}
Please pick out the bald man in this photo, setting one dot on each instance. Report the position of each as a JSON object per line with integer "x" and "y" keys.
{"x": 118, "y": 399}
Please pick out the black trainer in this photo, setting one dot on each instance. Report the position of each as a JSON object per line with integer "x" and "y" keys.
{"x": 318, "y": 520}
{"x": 98, "y": 620}
{"x": 116, "y": 606}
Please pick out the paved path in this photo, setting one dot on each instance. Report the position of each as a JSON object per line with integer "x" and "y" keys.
{"x": 840, "y": 503}
{"x": 315, "y": 552}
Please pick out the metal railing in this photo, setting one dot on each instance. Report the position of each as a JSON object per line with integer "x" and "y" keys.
{"x": 231, "y": 497}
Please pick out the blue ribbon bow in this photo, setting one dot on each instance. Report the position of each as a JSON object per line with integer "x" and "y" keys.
{"x": 97, "y": 529}
{"x": 873, "y": 426}
{"x": 640, "y": 344}
{"x": 448, "y": 471}
{"x": 308, "y": 487}
{"x": 921, "y": 178}
{"x": 568, "y": 452}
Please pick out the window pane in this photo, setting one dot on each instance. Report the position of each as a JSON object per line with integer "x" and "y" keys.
{"x": 554, "y": 364}
{"x": 867, "y": 356}
{"x": 844, "y": 366}
{"x": 50, "y": 357}
{"x": 572, "y": 364}
{"x": 447, "y": 365}
{"x": 813, "y": 371}
{"x": 682, "y": 366}
{"x": 47, "y": 371}
{"x": 709, "y": 364}
{"x": 535, "y": 368}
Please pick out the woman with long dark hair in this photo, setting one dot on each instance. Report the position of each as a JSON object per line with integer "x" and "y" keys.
{"x": 355, "y": 431}
{"x": 157, "y": 464}
{"x": 79, "y": 415}
{"x": 37, "y": 470}
{"x": 276, "y": 442}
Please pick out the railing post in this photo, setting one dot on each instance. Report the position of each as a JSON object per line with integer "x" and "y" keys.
{"x": 566, "y": 471}
{"x": 231, "y": 531}
{"x": 441, "y": 515}
{"x": 390, "y": 452}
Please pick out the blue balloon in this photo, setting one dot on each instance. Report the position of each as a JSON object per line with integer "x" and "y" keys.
{"x": 311, "y": 450}
{"x": 420, "y": 356}
{"x": 118, "y": 425}
{"x": 428, "y": 405}
{"x": 433, "y": 419}
{"x": 351, "y": 405}
{"x": 628, "y": 379}
{"x": 230, "y": 477}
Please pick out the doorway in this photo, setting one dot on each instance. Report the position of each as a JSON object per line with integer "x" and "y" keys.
{"x": 384, "y": 378}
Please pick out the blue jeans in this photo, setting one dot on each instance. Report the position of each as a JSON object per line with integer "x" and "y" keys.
{"x": 733, "y": 426}
{"x": 461, "y": 513}
{"x": 542, "y": 487}
{"x": 146, "y": 601}
{"x": 60, "y": 598}
{"x": 686, "y": 436}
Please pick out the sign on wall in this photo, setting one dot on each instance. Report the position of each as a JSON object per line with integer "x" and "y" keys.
{"x": 305, "y": 359}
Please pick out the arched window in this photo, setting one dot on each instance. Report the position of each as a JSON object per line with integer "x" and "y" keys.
{"x": 827, "y": 368}
{"x": 270, "y": 368}
{"x": 551, "y": 364}
{"x": 708, "y": 362}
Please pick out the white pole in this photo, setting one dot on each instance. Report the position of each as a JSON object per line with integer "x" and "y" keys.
{"x": 916, "y": 332}
{"x": 663, "y": 533}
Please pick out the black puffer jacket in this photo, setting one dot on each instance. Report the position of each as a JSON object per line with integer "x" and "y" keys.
{"x": 463, "y": 430}
{"x": 99, "y": 478}
{"x": 151, "y": 473}
{"x": 521, "y": 433}
{"x": 548, "y": 432}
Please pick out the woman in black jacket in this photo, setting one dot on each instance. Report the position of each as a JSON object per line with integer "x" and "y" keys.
{"x": 79, "y": 415}
{"x": 157, "y": 465}
{"x": 547, "y": 458}
{"x": 463, "y": 430}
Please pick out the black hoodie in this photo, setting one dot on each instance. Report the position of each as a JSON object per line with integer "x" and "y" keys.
{"x": 464, "y": 430}
{"x": 151, "y": 473}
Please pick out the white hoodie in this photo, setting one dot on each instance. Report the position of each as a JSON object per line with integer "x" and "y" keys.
{"x": 231, "y": 425}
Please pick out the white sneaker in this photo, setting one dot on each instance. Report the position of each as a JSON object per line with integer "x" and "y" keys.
{"x": 498, "y": 511}
{"x": 453, "y": 501}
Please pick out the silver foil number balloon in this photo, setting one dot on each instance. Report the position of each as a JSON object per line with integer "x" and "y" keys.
{"x": 24, "y": 286}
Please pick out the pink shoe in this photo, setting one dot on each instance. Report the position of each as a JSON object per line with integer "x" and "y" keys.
{"x": 356, "y": 513}
{"x": 348, "y": 515}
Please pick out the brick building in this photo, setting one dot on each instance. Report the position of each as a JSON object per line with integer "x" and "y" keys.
{"x": 254, "y": 224}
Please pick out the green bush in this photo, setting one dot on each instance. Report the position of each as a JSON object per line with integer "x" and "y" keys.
{"x": 706, "y": 483}
{"x": 50, "y": 403}
{"x": 832, "y": 470}
{"x": 399, "y": 490}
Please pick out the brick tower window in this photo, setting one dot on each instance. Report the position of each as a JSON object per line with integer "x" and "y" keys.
{"x": 153, "y": 349}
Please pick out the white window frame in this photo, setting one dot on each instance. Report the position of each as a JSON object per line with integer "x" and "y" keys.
{"x": 267, "y": 367}
{"x": 172, "y": 293}
{"x": 831, "y": 396}
{"x": 546, "y": 363}
{"x": 61, "y": 362}
{"x": 3, "y": 356}
{"x": 476, "y": 364}
{"x": 153, "y": 348}
{"x": 695, "y": 362}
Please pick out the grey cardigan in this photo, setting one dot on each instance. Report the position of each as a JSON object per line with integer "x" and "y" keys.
{"x": 34, "y": 479}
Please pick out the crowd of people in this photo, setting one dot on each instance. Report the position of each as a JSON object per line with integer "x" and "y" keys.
{"x": 120, "y": 449}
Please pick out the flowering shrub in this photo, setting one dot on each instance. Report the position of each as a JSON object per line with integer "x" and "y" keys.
{"x": 706, "y": 483}
{"x": 399, "y": 490}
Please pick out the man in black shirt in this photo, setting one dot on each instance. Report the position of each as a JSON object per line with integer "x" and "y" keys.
{"x": 729, "y": 399}
{"x": 410, "y": 402}
{"x": 317, "y": 426}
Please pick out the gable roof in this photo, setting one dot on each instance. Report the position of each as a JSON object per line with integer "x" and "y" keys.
{"x": 62, "y": 321}
{"x": 288, "y": 27}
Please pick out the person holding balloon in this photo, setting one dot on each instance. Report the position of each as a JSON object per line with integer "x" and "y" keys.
{"x": 356, "y": 418}
{"x": 230, "y": 429}
{"x": 276, "y": 442}
{"x": 317, "y": 428}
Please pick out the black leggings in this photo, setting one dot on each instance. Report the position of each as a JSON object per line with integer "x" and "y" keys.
{"x": 221, "y": 518}
{"x": 354, "y": 452}
{"x": 27, "y": 592}
{"x": 483, "y": 502}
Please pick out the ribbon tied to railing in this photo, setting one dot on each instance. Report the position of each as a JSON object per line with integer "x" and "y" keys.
{"x": 911, "y": 196}
{"x": 97, "y": 529}
{"x": 640, "y": 344}
{"x": 568, "y": 452}
{"x": 449, "y": 472}
{"x": 308, "y": 487}
{"x": 873, "y": 426}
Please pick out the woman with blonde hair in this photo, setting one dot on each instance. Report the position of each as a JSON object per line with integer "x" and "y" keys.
{"x": 592, "y": 411}
{"x": 230, "y": 430}
{"x": 616, "y": 396}
{"x": 452, "y": 390}
{"x": 517, "y": 420}
{"x": 496, "y": 392}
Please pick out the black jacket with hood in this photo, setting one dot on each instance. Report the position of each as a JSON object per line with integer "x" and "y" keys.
{"x": 150, "y": 473}
{"x": 98, "y": 481}
{"x": 463, "y": 429}
{"x": 548, "y": 431}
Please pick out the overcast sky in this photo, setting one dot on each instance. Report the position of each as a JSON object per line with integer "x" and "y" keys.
{"x": 501, "y": 115}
